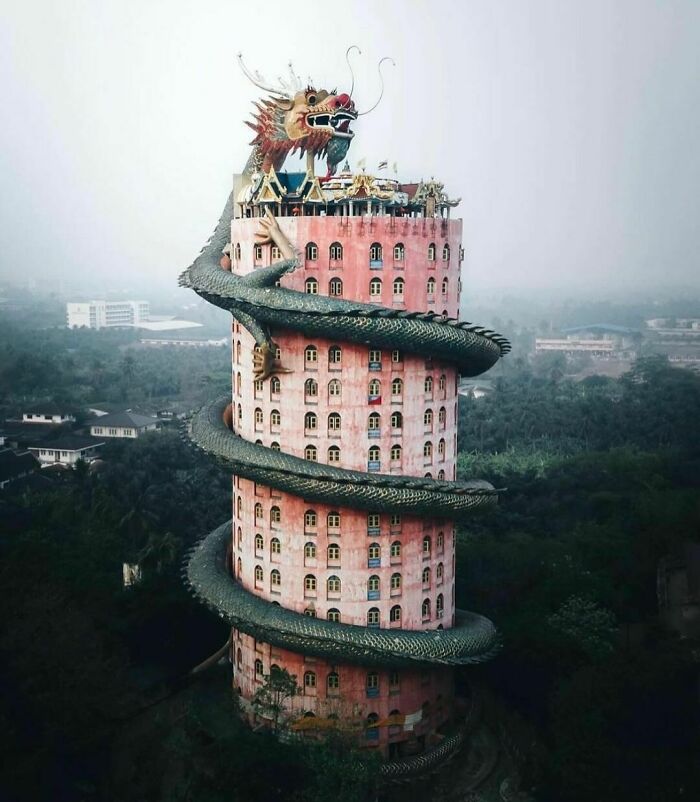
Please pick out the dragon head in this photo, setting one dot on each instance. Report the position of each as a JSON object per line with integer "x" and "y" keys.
{"x": 311, "y": 121}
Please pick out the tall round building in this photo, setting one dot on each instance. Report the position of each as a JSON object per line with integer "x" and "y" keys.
{"x": 339, "y": 563}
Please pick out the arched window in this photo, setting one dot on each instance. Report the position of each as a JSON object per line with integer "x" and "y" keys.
{"x": 398, "y": 287}
{"x": 275, "y": 385}
{"x": 309, "y": 612}
{"x": 442, "y": 417}
{"x": 333, "y": 615}
{"x": 310, "y": 679}
{"x": 275, "y": 253}
{"x": 439, "y": 605}
{"x": 440, "y": 541}
{"x": 275, "y": 419}
{"x": 427, "y": 546}
{"x": 275, "y": 578}
{"x": 240, "y": 415}
{"x": 396, "y": 420}
{"x": 428, "y": 385}
{"x": 257, "y": 253}
{"x": 310, "y": 519}
{"x": 373, "y": 617}
{"x": 240, "y": 537}
{"x": 311, "y": 388}
{"x": 374, "y": 389}
{"x": 372, "y": 681}
{"x": 335, "y": 355}
{"x": 374, "y": 422}
{"x": 396, "y": 583}
{"x": 237, "y": 251}
{"x": 445, "y": 253}
{"x": 275, "y": 547}
{"x": 430, "y": 287}
{"x": 335, "y": 252}
{"x": 395, "y": 614}
{"x": 396, "y": 387}
{"x": 428, "y": 419}
{"x": 335, "y": 287}
{"x": 239, "y": 658}
{"x": 309, "y": 551}
{"x": 311, "y": 453}
{"x": 333, "y": 585}
{"x": 334, "y": 388}
{"x": 441, "y": 448}
{"x": 311, "y": 286}
{"x": 372, "y": 731}
{"x": 373, "y": 454}
{"x": 374, "y": 552}
{"x": 258, "y": 667}
{"x": 310, "y": 355}
{"x": 431, "y": 252}
{"x": 238, "y": 352}
{"x": 334, "y": 422}
{"x": 240, "y": 568}
{"x": 310, "y": 422}
{"x": 333, "y": 553}
{"x": 274, "y": 446}
{"x": 375, "y": 255}
{"x": 425, "y": 610}
{"x": 333, "y": 455}
{"x": 311, "y": 251}
{"x": 259, "y": 542}
{"x": 310, "y": 584}
{"x": 425, "y": 576}
{"x": 396, "y": 550}
{"x": 258, "y": 574}
{"x": 445, "y": 285}
{"x": 239, "y": 506}
{"x": 441, "y": 474}
{"x": 333, "y": 520}
{"x": 275, "y": 516}
{"x": 395, "y": 452}
{"x": 375, "y": 288}
{"x": 399, "y": 252}
{"x": 333, "y": 681}
{"x": 239, "y": 381}
{"x": 442, "y": 383}
{"x": 258, "y": 511}
{"x": 373, "y": 587}
{"x": 428, "y": 450}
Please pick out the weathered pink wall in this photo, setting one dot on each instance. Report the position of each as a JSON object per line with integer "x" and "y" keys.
{"x": 356, "y": 235}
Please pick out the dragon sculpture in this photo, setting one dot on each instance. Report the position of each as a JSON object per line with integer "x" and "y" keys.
{"x": 318, "y": 122}
{"x": 295, "y": 120}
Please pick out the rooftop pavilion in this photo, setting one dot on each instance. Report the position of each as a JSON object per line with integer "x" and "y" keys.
{"x": 347, "y": 194}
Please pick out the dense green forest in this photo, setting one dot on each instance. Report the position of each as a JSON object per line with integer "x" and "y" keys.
{"x": 600, "y": 482}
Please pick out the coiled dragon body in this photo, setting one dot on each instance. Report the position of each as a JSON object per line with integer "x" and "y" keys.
{"x": 317, "y": 122}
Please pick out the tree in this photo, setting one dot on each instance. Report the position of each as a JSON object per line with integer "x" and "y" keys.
{"x": 278, "y": 686}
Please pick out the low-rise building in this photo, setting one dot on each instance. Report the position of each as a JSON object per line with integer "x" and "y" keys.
{"x": 15, "y": 466}
{"x": 66, "y": 450}
{"x": 47, "y": 413}
{"x": 106, "y": 314}
{"x": 122, "y": 424}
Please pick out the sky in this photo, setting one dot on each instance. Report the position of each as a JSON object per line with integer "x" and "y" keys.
{"x": 569, "y": 129}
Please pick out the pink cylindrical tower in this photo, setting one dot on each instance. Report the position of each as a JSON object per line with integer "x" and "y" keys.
{"x": 361, "y": 408}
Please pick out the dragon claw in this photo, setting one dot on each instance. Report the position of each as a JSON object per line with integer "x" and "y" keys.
{"x": 265, "y": 364}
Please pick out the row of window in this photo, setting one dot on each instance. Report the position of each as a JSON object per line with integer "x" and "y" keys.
{"x": 334, "y": 355}
{"x": 334, "y": 420}
{"x": 335, "y": 287}
{"x": 374, "y": 552}
{"x": 335, "y": 252}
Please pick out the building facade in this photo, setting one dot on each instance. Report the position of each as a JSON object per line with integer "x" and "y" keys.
{"x": 124, "y": 425}
{"x": 365, "y": 409}
{"x": 106, "y": 314}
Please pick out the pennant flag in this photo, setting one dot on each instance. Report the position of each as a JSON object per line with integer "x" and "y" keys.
{"x": 383, "y": 165}
{"x": 361, "y": 163}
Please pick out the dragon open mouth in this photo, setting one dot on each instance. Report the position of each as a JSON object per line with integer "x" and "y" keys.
{"x": 338, "y": 123}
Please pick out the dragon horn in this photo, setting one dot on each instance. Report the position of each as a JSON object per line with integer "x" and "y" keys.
{"x": 257, "y": 79}
{"x": 381, "y": 80}
{"x": 347, "y": 59}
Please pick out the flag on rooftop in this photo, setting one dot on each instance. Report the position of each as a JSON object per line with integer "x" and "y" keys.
{"x": 383, "y": 165}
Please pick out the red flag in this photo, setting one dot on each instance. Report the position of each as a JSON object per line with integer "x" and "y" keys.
{"x": 374, "y": 399}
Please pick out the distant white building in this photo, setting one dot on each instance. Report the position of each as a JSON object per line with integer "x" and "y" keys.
{"x": 122, "y": 424}
{"x": 47, "y": 414}
{"x": 574, "y": 346}
{"x": 106, "y": 314}
{"x": 66, "y": 450}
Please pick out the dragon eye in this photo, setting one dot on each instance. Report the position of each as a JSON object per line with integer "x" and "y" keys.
{"x": 311, "y": 99}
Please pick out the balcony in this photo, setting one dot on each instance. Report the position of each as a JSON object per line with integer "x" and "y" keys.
{"x": 374, "y": 562}
{"x": 374, "y": 465}
{"x": 373, "y": 530}
{"x": 372, "y": 595}
{"x": 375, "y": 365}
{"x": 376, "y": 264}
{"x": 374, "y": 434}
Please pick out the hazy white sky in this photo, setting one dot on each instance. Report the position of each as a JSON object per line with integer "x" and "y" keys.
{"x": 569, "y": 129}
